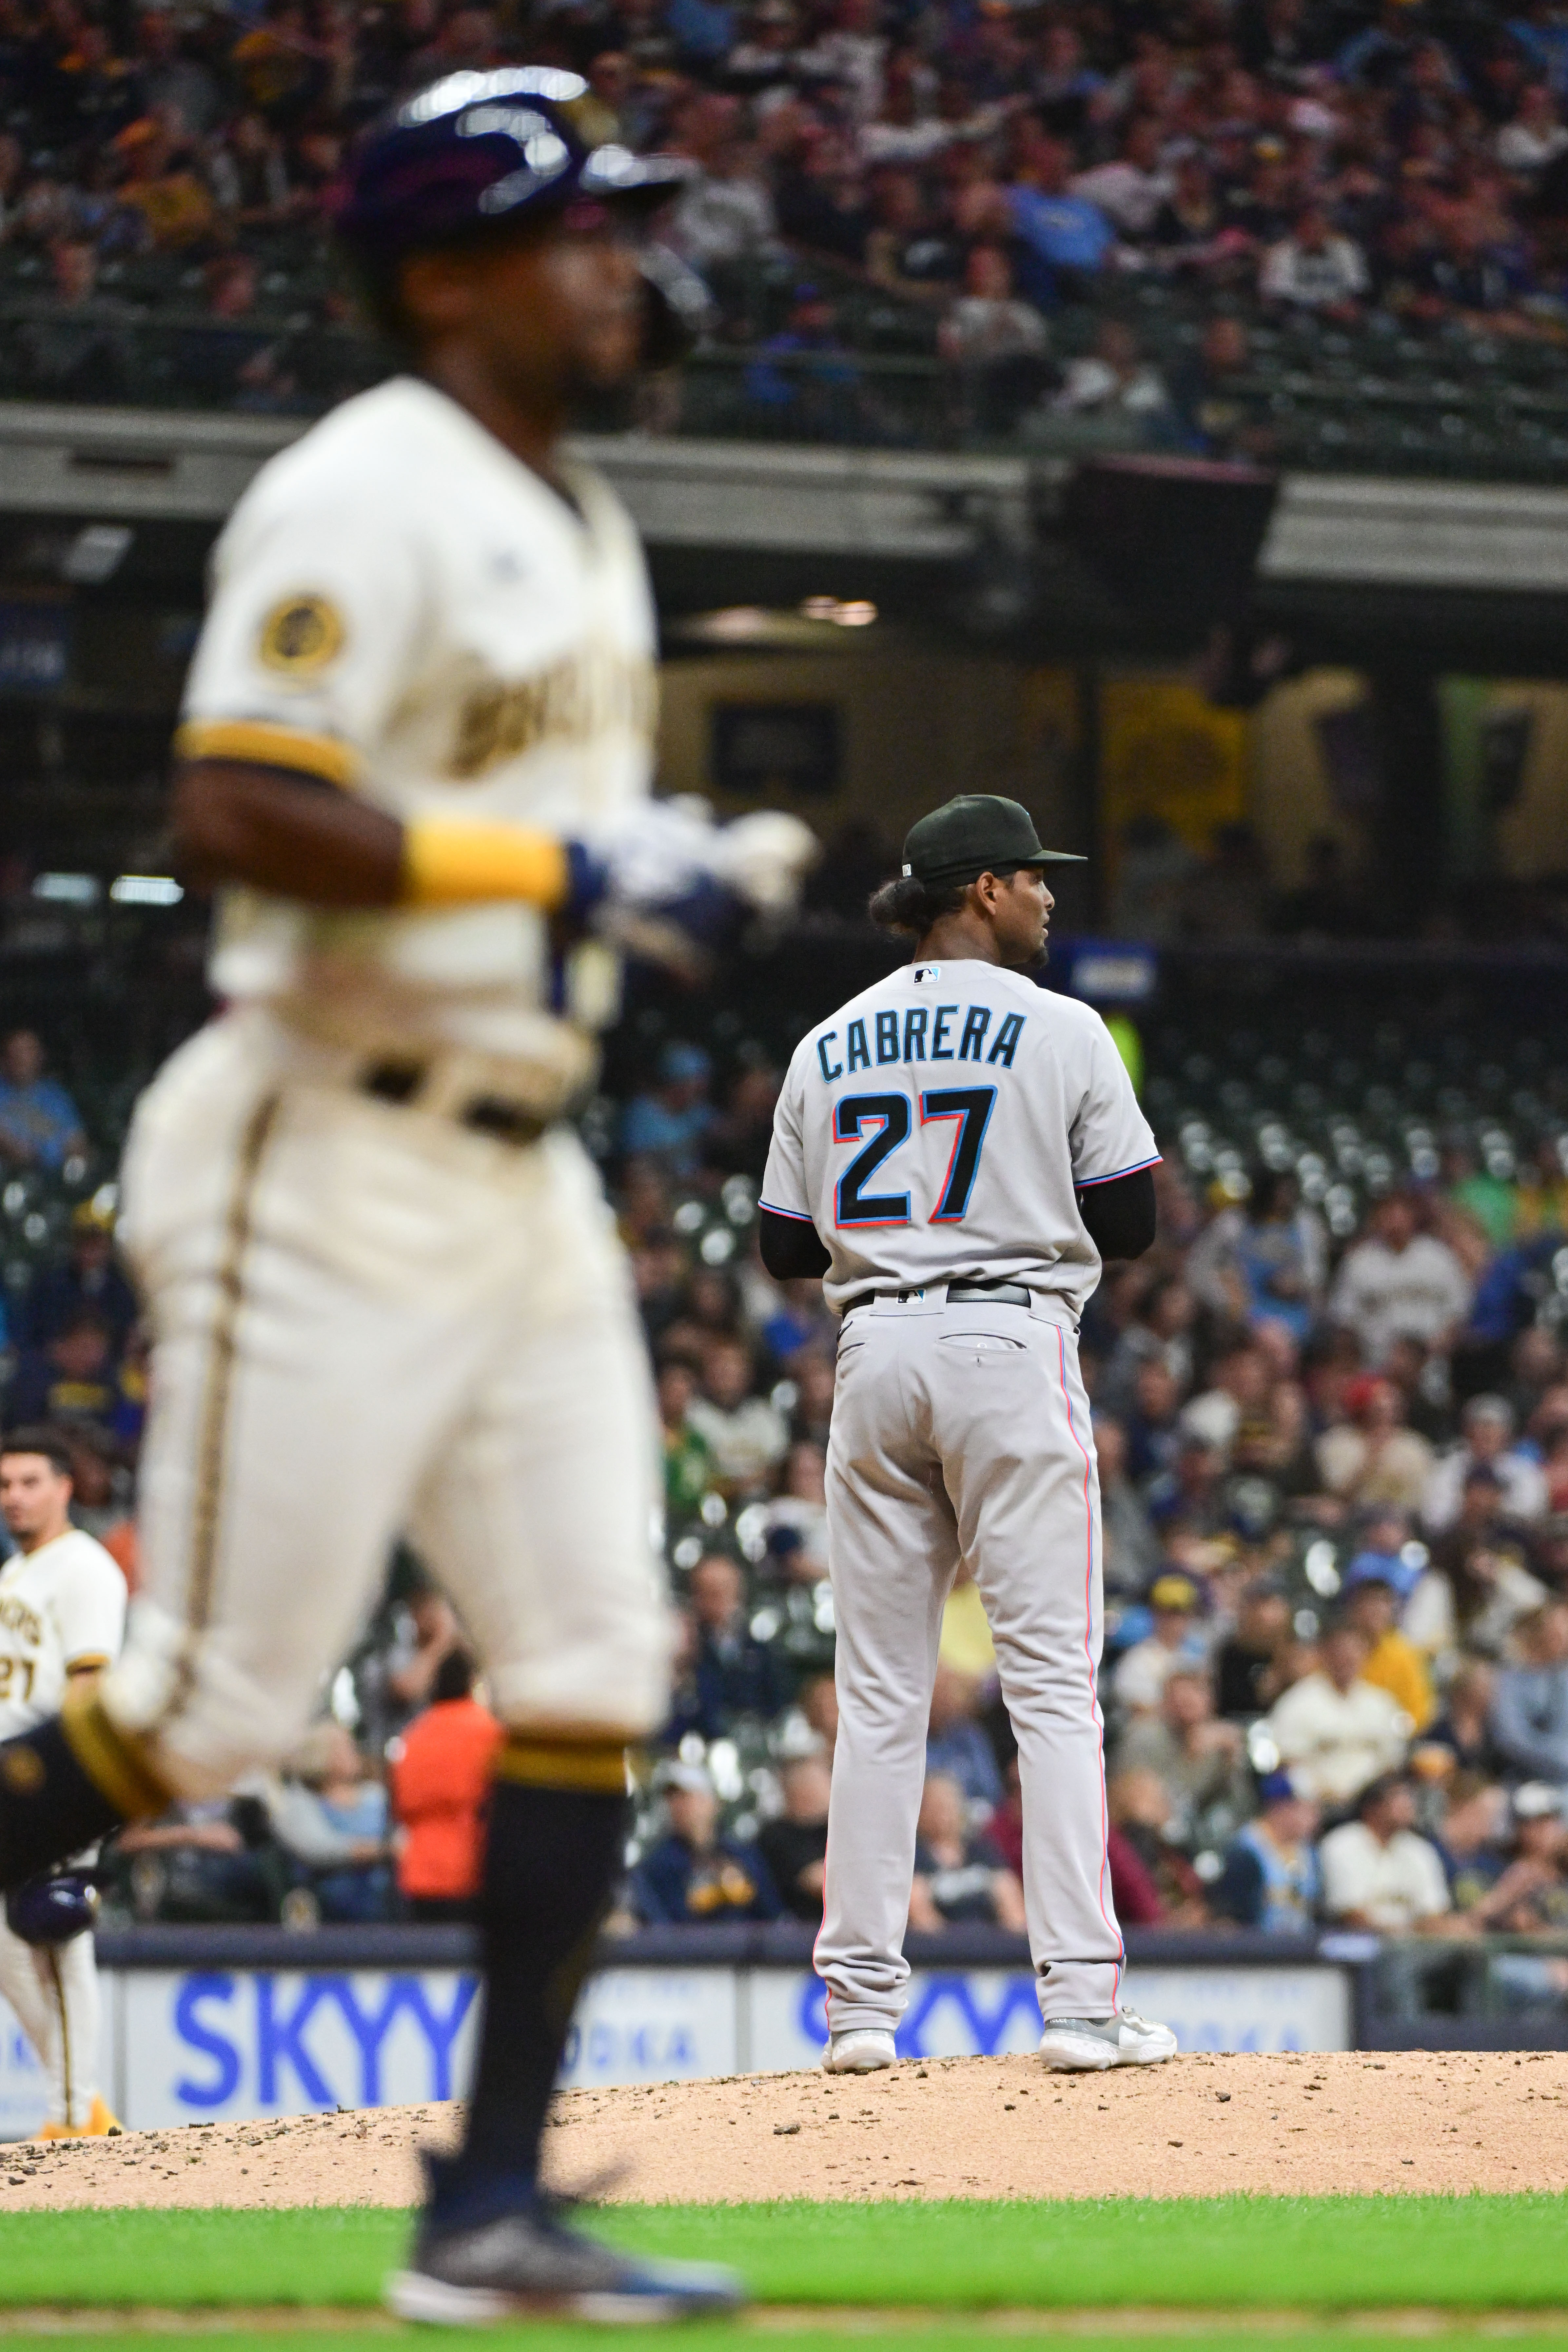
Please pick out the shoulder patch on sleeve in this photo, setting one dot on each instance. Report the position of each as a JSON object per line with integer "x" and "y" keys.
{"x": 302, "y": 634}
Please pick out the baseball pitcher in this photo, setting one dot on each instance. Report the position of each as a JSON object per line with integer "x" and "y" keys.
{"x": 953, "y": 1151}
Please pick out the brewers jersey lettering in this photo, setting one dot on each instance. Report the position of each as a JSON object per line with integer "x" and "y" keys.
{"x": 935, "y": 1132}
{"x": 941, "y": 1124}
{"x": 402, "y": 609}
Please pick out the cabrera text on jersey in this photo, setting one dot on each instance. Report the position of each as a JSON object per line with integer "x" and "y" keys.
{"x": 942, "y": 1123}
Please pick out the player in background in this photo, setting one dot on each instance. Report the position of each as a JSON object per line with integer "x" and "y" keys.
{"x": 382, "y": 1282}
{"x": 954, "y": 1150}
{"x": 62, "y": 1618}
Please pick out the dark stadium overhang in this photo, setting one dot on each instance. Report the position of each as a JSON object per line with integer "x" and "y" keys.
{"x": 1352, "y": 569}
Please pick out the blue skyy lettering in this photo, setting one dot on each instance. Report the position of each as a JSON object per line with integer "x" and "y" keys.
{"x": 440, "y": 2028}
{"x": 940, "y": 1050}
{"x": 1008, "y": 1038}
{"x": 370, "y": 2032}
{"x": 280, "y": 2040}
{"x": 859, "y": 1056}
{"x": 915, "y": 1021}
{"x": 822, "y": 1045}
{"x": 976, "y": 1022}
{"x": 225, "y": 2080}
{"x": 887, "y": 1036}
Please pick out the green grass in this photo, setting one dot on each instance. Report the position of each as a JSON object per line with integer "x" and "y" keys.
{"x": 1310, "y": 2254}
{"x": 741, "y": 2338}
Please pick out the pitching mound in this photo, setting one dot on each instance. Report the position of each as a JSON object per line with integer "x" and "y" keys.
{"x": 1351, "y": 2123}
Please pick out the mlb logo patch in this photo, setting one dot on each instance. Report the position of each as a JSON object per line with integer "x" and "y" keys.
{"x": 926, "y": 972}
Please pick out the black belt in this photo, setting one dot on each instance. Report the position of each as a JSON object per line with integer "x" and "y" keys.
{"x": 497, "y": 1115}
{"x": 959, "y": 1294}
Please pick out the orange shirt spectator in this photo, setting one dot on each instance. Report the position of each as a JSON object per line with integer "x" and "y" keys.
{"x": 440, "y": 1787}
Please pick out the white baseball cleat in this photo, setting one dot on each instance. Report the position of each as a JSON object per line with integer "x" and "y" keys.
{"x": 861, "y": 2050}
{"x": 1088, "y": 2045}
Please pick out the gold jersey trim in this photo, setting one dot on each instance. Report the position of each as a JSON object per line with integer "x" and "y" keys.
{"x": 268, "y": 746}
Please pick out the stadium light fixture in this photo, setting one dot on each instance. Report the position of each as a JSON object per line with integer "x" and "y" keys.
{"x": 145, "y": 890}
{"x": 855, "y": 613}
{"x": 67, "y": 890}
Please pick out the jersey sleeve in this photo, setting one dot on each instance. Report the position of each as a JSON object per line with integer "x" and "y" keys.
{"x": 1110, "y": 1136}
{"x": 89, "y": 1609}
{"x": 783, "y": 1179}
{"x": 313, "y": 629}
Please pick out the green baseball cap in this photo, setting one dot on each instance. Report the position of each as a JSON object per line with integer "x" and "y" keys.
{"x": 978, "y": 832}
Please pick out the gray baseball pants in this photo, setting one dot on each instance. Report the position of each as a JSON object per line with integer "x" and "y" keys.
{"x": 963, "y": 1432}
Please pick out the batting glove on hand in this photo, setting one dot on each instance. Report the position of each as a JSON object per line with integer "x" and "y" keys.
{"x": 666, "y": 883}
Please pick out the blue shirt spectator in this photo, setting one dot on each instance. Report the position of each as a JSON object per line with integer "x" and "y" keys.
{"x": 1271, "y": 1878}
{"x": 1530, "y": 1713}
{"x": 956, "y": 1746}
{"x": 39, "y": 1124}
{"x": 670, "y": 1123}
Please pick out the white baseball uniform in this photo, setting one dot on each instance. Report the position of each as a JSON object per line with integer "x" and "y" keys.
{"x": 936, "y": 1131}
{"x": 61, "y": 1607}
{"x": 370, "y": 1309}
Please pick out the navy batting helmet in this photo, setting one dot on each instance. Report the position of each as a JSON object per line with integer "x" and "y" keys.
{"x": 52, "y": 1910}
{"x": 479, "y": 151}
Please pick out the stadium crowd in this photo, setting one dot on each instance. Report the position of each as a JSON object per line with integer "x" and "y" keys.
{"x": 951, "y": 179}
{"x": 1334, "y": 1475}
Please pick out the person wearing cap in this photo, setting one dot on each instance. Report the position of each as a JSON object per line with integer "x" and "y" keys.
{"x": 692, "y": 1876}
{"x": 1271, "y": 1880}
{"x": 1174, "y": 1638}
{"x": 669, "y": 1123}
{"x": 955, "y": 1152}
{"x": 1487, "y": 1443}
{"x": 1378, "y": 1872}
{"x": 414, "y": 760}
{"x": 89, "y": 1282}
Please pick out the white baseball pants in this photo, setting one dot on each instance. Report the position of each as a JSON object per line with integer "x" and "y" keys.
{"x": 963, "y": 1432}
{"x": 53, "y": 1989}
{"x": 368, "y": 1318}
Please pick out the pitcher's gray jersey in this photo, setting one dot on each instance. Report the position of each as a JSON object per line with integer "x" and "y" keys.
{"x": 941, "y": 1124}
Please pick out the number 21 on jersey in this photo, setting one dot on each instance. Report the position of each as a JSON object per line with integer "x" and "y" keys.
{"x": 886, "y": 1121}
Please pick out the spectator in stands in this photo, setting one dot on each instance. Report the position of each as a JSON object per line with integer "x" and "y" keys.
{"x": 734, "y": 1674}
{"x": 1378, "y": 1872}
{"x": 1474, "y": 1602}
{"x": 1530, "y": 1896}
{"x": 793, "y": 1844}
{"x": 693, "y": 1876}
{"x": 1147, "y": 1820}
{"x": 689, "y": 1470}
{"x": 439, "y": 1785}
{"x": 669, "y": 1124}
{"x": 1392, "y": 1661}
{"x": 88, "y": 1282}
{"x": 1486, "y": 1427}
{"x": 1115, "y": 380}
{"x": 959, "y": 1876}
{"x": 400, "y": 1679}
{"x": 1271, "y": 1879}
{"x": 206, "y": 1863}
{"x": 72, "y": 1379}
{"x": 746, "y": 1434}
{"x": 1399, "y": 1283}
{"x": 1200, "y": 1759}
{"x": 40, "y": 1127}
{"x": 1246, "y": 1663}
{"x": 330, "y": 1818}
{"x": 1333, "y": 1731}
{"x": 1462, "y": 1732}
{"x": 1371, "y": 1458}
{"x": 1132, "y": 1548}
{"x": 1135, "y": 187}
{"x": 998, "y": 344}
{"x": 1063, "y": 240}
{"x": 1315, "y": 269}
{"x": 957, "y": 1749}
{"x": 1267, "y": 1261}
{"x": 1530, "y": 1712}
{"x": 1176, "y": 1639}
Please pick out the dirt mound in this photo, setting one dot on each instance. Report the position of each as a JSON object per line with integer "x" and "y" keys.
{"x": 938, "y": 2127}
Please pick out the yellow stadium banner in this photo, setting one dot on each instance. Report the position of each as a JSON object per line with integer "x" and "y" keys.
{"x": 1166, "y": 752}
